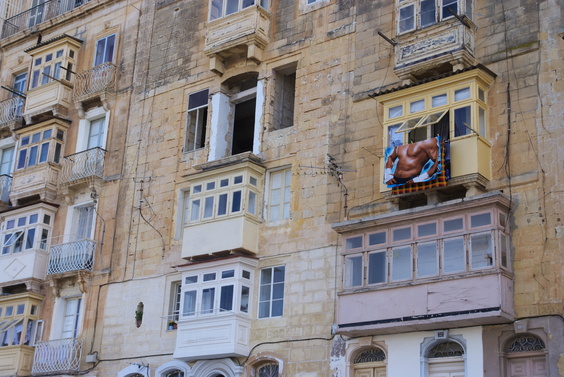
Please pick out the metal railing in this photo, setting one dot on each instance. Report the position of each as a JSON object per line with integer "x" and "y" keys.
{"x": 85, "y": 164}
{"x": 95, "y": 80}
{"x": 5, "y": 187}
{"x": 37, "y": 14}
{"x": 71, "y": 256}
{"x": 61, "y": 355}
{"x": 11, "y": 109}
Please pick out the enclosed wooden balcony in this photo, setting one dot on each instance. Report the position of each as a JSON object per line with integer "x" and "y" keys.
{"x": 448, "y": 44}
{"x": 57, "y": 356}
{"x": 5, "y": 188}
{"x": 241, "y": 34}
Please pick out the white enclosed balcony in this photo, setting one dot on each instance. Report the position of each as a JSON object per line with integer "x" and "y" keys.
{"x": 57, "y": 356}
{"x": 224, "y": 211}
{"x": 82, "y": 166}
{"x": 71, "y": 256}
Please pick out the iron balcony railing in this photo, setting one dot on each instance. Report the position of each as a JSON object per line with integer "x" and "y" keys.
{"x": 81, "y": 165}
{"x": 95, "y": 80}
{"x": 71, "y": 256}
{"x": 37, "y": 14}
{"x": 57, "y": 356}
{"x": 11, "y": 109}
{"x": 5, "y": 187}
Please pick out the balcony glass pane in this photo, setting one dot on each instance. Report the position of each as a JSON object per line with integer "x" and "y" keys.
{"x": 453, "y": 255}
{"x": 504, "y": 248}
{"x": 406, "y": 19}
{"x": 231, "y": 6}
{"x": 427, "y": 259}
{"x": 417, "y": 106}
{"x": 481, "y": 248}
{"x": 222, "y": 205}
{"x": 252, "y": 206}
{"x": 226, "y": 298}
{"x": 428, "y": 13}
{"x": 236, "y": 204}
{"x": 195, "y": 210}
{"x": 189, "y": 307}
{"x": 461, "y": 94}
{"x": 32, "y": 161}
{"x": 244, "y": 299}
{"x": 208, "y": 296}
{"x": 353, "y": 242}
{"x": 462, "y": 121}
{"x": 208, "y": 207}
{"x": 452, "y": 225}
{"x": 427, "y": 230}
{"x": 449, "y": 4}
{"x": 395, "y": 139}
{"x": 30, "y": 238}
{"x": 277, "y": 308}
{"x": 353, "y": 271}
{"x": 482, "y": 219}
{"x": 44, "y": 152}
{"x": 401, "y": 263}
{"x": 377, "y": 267}
{"x": 377, "y": 238}
{"x": 401, "y": 234}
{"x": 439, "y": 100}
{"x": 395, "y": 111}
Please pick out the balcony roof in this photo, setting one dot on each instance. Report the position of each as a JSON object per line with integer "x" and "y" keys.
{"x": 52, "y": 40}
{"x": 378, "y": 93}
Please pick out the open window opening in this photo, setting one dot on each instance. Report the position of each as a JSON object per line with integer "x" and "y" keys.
{"x": 284, "y": 97}
{"x": 244, "y": 108}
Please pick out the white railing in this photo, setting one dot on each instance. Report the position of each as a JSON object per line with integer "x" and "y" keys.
{"x": 61, "y": 355}
{"x": 85, "y": 164}
{"x": 95, "y": 80}
{"x": 35, "y": 15}
{"x": 71, "y": 256}
{"x": 5, "y": 187}
{"x": 11, "y": 109}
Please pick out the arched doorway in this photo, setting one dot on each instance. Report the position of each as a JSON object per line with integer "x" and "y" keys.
{"x": 525, "y": 357}
{"x": 370, "y": 362}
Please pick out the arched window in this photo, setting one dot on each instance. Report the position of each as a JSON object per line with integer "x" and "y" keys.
{"x": 525, "y": 354}
{"x": 444, "y": 358}
{"x": 370, "y": 362}
{"x": 268, "y": 370}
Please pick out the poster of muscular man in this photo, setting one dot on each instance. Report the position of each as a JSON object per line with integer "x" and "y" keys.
{"x": 412, "y": 163}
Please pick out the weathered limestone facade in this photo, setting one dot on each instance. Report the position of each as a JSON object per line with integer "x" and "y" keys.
{"x": 198, "y": 189}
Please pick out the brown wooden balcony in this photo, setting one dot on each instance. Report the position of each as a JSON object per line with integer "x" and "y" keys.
{"x": 241, "y": 34}
{"x": 97, "y": 83}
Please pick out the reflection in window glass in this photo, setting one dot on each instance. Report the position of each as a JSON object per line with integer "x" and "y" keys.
{"x": 481, "y": 249}
{"x": 353, "y": 271}
{"x": 427, "y": 259}
{"x": 401, "y": 234}
{"x": 439, "y": 100}
{"x": 377, "y": 267}
{"x": 451, "y": 225}
{"x": 401, "y": 263}
{"x": 427, "y": 229}
{"x": 395, "y": 112}
{"x": 453, "y": 255}
{"x": 353, "y": 242}
{"x": 461, "y": 94}
{"x": 189, "y": 307}
{"x": 377, "y": 238}
{"x": 480, "y": 220}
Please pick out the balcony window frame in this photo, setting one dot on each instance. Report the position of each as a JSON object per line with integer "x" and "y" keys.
{"x": 498, "y": 254}
{"x": 24, "y": 323}
{"x": 50, "y": 63}
{"x": 199, "y": 285}
{"x": 439, "y": 9}
{"x": 18, "y": 227}
{"x": 220, "y": 7}
{"x": 403, "y": 127}
{"x": 31, "y": 147}
{"x": 206, "y": 197}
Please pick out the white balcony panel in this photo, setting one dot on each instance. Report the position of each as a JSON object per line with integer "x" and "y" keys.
{"x": 234, "y": 233}
{"x": 42, "y": 179}
{"x": 211, "y": 337}
{"x": 28, "y": 264}
{"x": 55, "y": 97}
{"x": 451, "y": 302}
{"x": 57, "y": 356}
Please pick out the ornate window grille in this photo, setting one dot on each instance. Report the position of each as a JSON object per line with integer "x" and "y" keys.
{"x": 446, "y": 349}
{"x": 525, "y": 343}
{"x": 268, "y": 370}
{"x": 370, "y": 355}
